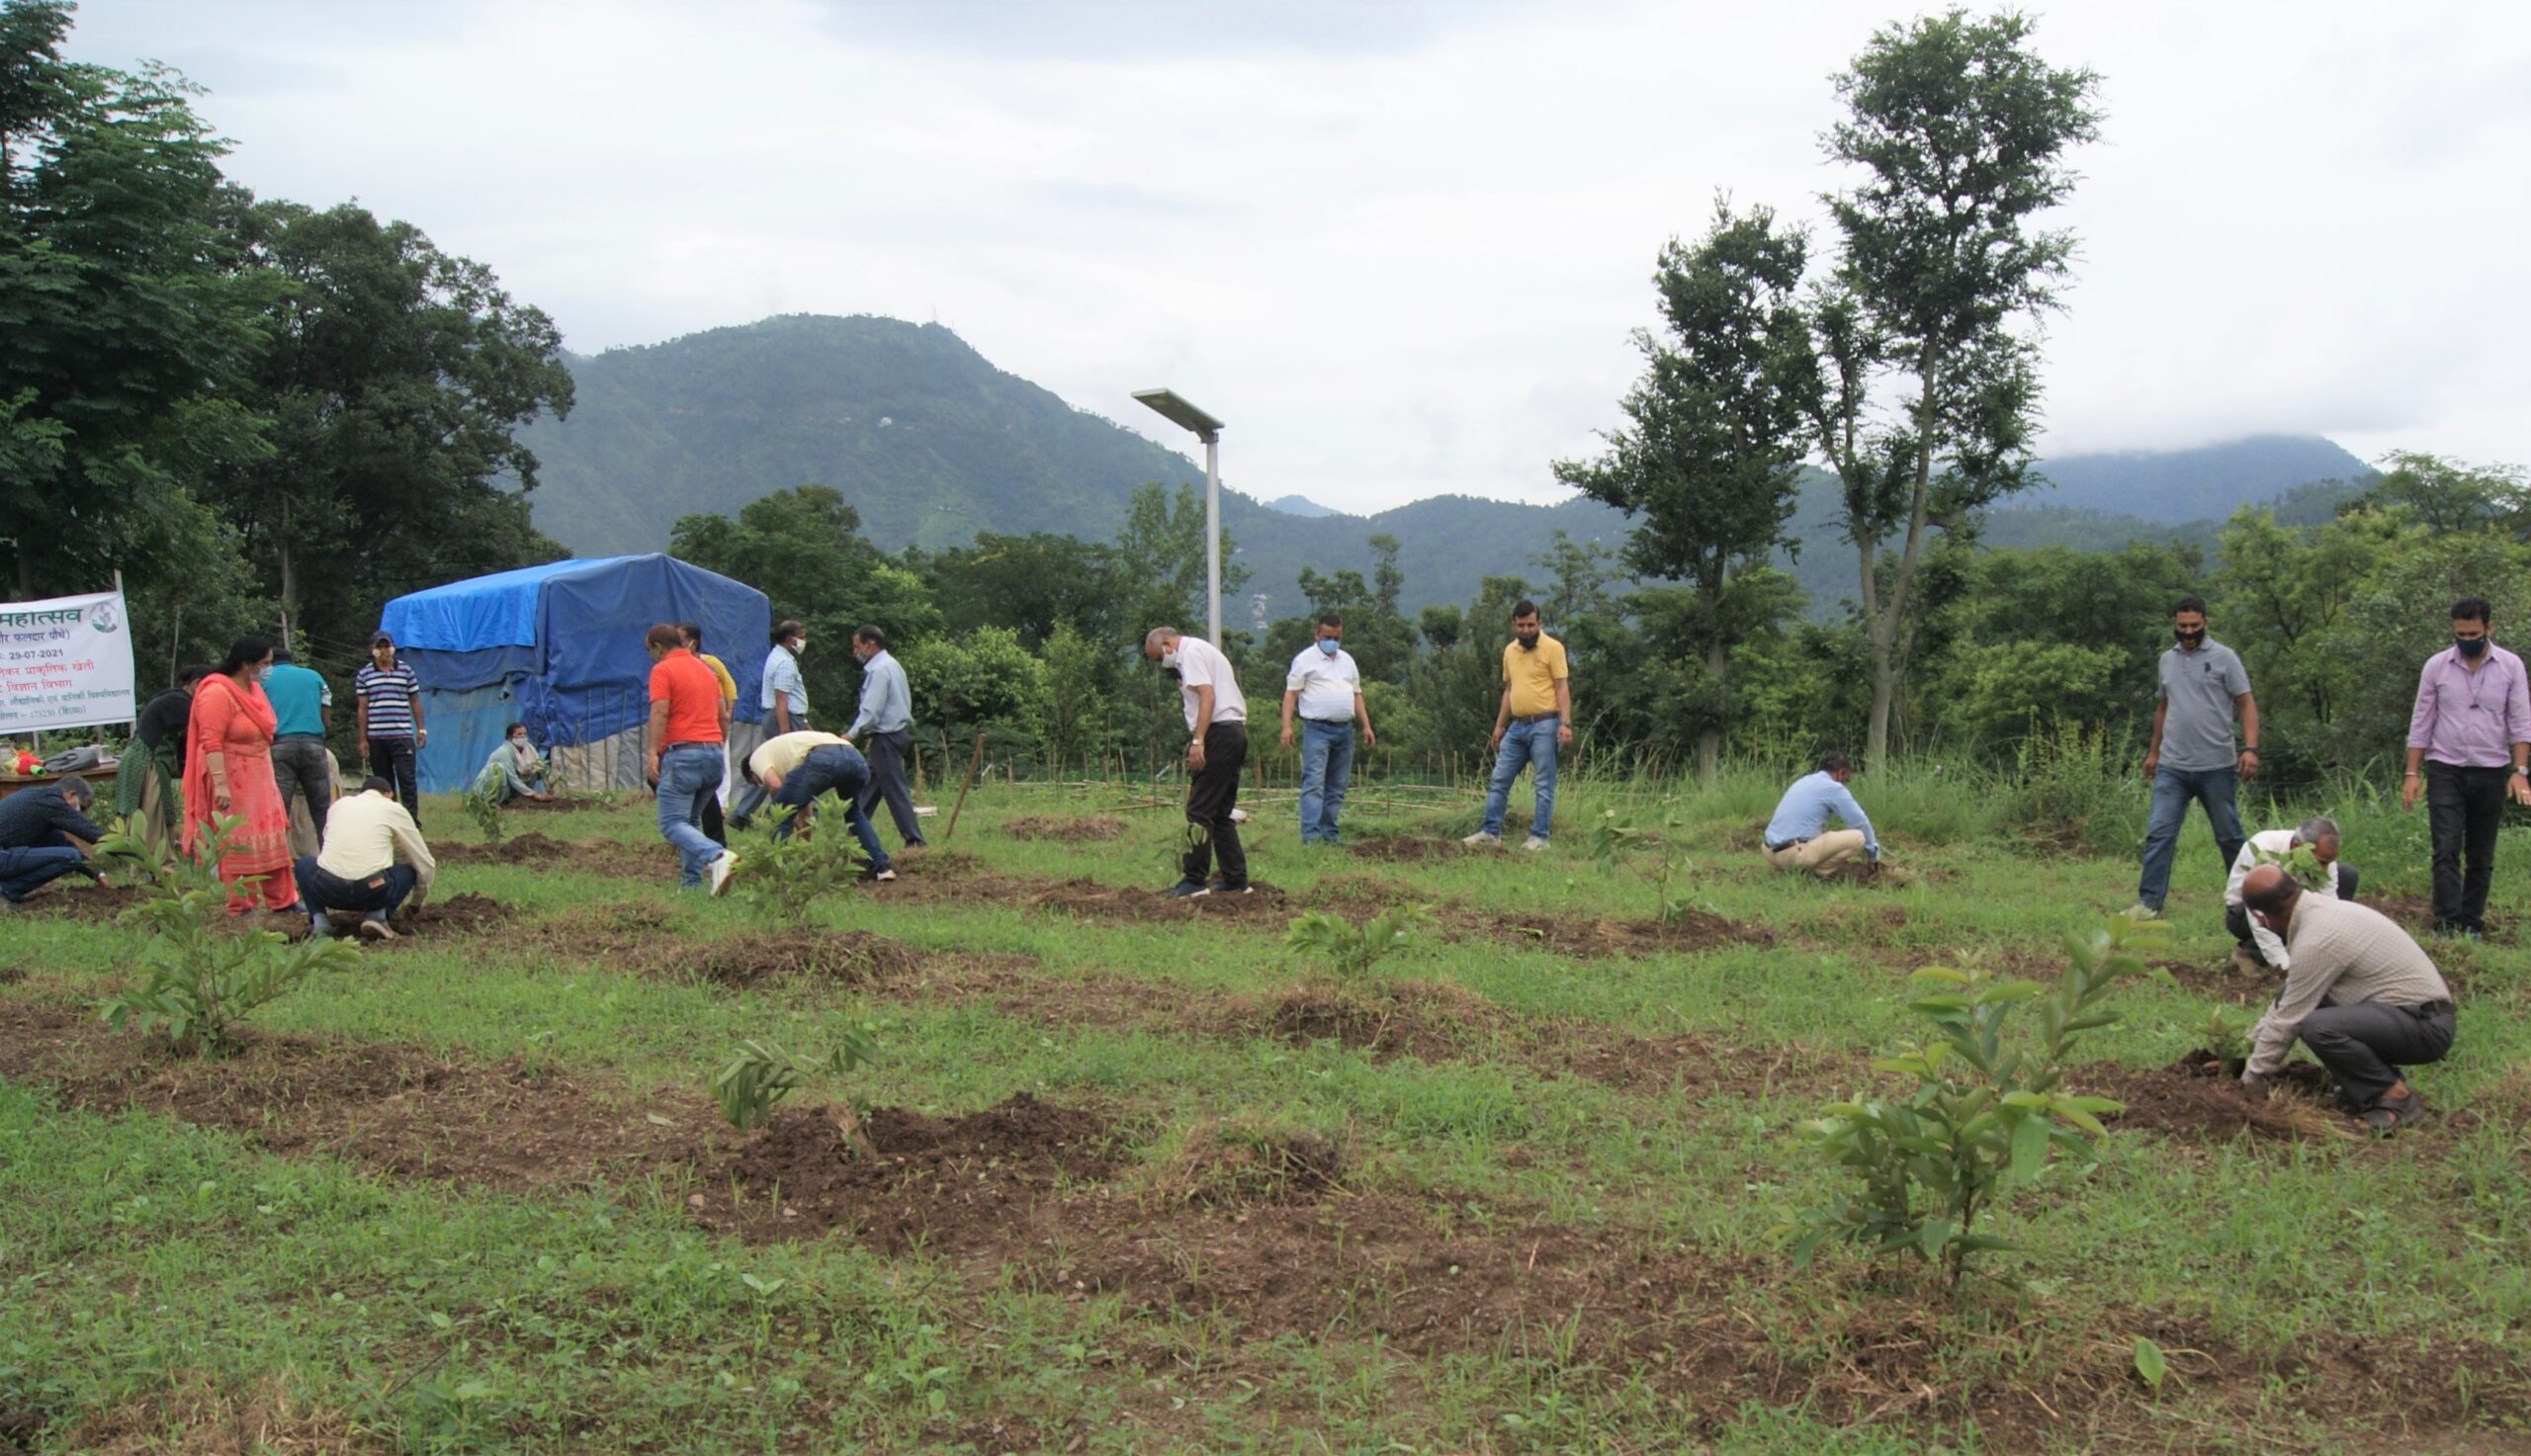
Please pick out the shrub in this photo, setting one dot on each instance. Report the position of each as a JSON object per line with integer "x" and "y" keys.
{"x": 762, "y": 1075}
{"x": 1351, "y": 951}
{"x": 484, "y": 806}
{"x": 783, "y": 876}
{"x": 1983, "y": 1113}
{"x": 2069, "y": 776}
{"x": 201, "y": 980}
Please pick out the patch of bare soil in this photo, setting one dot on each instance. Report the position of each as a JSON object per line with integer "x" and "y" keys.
{"x": 953, "y": 1187}
{"x": 400, "y": 1109}
{"x": 435, "y": 923}
{"x": 1090, "y": 899}
{"x": 851, "y": 957}
{"x": 74, "y": 898}
{"x": 1429, "y": 1020}
{"x": 1222, "y": 1166}
{"x": 595, "y": 856}
{"x": 19, "y": 1430}
{"x": 1400, "y": 849}
{"x": 1686, "y": 930}
{"x": 2199, "y": 1099}
{"x": 558, "y": 804}
{"x": 1095, "y": 828}
{"x": 211, "y": 1421}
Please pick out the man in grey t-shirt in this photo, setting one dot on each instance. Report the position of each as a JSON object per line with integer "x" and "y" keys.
{"x": 2192, "y": 755}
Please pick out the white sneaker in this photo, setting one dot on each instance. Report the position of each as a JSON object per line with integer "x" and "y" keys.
{"x": 1480, "y": 839}
{"x": 1533, "y": 842}
{"x": 2141, "y": 911}
{"x": 721, "y": 869}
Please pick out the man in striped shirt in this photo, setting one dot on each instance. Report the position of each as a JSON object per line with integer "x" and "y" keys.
{"x": 391, "y": 721}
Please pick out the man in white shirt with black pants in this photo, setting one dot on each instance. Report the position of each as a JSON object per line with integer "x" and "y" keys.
{"x": 1326, "y": 688}
{"x": 2259, "y": 948}
{"x": 1218, "y": 729}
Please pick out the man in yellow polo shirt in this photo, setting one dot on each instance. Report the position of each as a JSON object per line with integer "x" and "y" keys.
{"x": 1534, "y": 721}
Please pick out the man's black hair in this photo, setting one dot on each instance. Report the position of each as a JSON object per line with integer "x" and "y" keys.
{"x": 2190, "y": 603}
{"x": 2472, "y": 609}
{"x": 1833, "y": 762}
{"x": 785, "y": 630}
{"x": 693, "y": 632}
{"x": 375, "y": 785}
{"x": 869, "y": 632}
{"x": 1523, "y": 608}
{"x": 1330, "y": 619}
{"x": 280, "y": 655}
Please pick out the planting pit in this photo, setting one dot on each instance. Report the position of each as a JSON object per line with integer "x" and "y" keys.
{"x": 848, "y": 957}
{"x": 1401, "y": 849}
{"x": 73, "y": 898}
{"x": 1685, "y": 932}
{"x": 2200, "y": 1099}
{"x": 1095, "y": 828}
{"x": 593, "y": 856}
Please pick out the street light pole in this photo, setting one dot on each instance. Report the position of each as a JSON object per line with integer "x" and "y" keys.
{"x": 1178, "y": 411}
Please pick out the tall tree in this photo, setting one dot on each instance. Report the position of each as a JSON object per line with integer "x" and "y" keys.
{"x": 1711, "y": 457}
{"x": 1963, "y": 132}
{"x": 126, "y": 326}
{"x": 395, "y": 382}
{"x": 1164, "y": 539}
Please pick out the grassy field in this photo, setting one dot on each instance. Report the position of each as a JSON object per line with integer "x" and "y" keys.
{"x": 1144, "y": 1182}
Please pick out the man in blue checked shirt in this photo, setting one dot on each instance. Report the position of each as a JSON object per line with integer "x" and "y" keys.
{"x": 1798, "y": 838}
{"x": 882, "y": 725}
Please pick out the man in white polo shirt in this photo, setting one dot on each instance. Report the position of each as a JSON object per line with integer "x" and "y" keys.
{"x": 1326, "y": 688}
{"x": 1217, "y": 748}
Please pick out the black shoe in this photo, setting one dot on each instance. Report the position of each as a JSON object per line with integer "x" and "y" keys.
{"x": 738, "y": 821}
{"x": 1186, "y": 890}
{"x": 1225, "y": 887}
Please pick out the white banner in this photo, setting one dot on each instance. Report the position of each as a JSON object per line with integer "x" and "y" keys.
{"x": 65, "y": 663}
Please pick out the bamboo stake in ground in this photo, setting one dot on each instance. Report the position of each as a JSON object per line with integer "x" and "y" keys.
{"x": 973, "y": 764}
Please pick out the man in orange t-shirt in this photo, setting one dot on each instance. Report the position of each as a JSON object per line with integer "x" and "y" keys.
{"x": 683, "y": 756}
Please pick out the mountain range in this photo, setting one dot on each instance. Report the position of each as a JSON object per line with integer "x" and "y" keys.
{"x": 931, "y": 443}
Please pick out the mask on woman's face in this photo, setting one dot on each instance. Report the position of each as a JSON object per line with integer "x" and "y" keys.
{"x": 519, "y": 742}
{"x": 264, "y": 673}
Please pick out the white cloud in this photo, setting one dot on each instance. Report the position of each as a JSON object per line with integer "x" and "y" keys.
{"x": 1399, "y": 247}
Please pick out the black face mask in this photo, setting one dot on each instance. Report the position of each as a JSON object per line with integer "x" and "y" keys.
{"x": 2189, "y": 639}
{"x": 2469, "y": 647}
{"x": 1173, "y": 675}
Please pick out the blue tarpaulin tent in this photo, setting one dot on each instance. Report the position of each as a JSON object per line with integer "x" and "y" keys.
{"x": 558, "y": 647}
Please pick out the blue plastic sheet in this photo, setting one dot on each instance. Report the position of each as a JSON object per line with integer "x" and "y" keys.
{"x": 558, "y": 647}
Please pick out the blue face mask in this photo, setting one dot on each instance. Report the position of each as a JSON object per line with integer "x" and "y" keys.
{"x": 1329, "y": 645}
{"x": 264, "y": 673}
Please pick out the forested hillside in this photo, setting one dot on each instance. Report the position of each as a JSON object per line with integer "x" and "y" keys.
{"x": 930, "y": 444}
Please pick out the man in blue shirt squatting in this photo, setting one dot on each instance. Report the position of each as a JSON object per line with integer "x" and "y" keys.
{"x": 1798, "y": 838}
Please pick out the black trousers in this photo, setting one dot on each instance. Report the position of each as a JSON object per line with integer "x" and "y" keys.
{"x": 886, "y": 753}
{"x": 392, "y": 759}
{"x": 2463, "y": 807}
{"x": 712, "y": 827}
{"x": 1210, "y": 797}
{"x": 2236, "y": 918}
{"x": 2364, "y": 1045}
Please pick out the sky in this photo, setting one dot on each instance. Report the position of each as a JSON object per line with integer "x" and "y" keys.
{"x": 1400, "y": 247}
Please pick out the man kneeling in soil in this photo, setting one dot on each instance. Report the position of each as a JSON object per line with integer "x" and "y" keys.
{"x": 44, "y": 834}
{"x": 2360, "y": 994}
{"x": 1798, "y": 838}
{"x": 373, "y": 860}
{"x": 2258, "y": 948}
{"x": 795, "y": 768}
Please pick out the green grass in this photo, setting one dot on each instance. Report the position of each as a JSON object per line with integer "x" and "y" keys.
{"x": 142, "y": 1259}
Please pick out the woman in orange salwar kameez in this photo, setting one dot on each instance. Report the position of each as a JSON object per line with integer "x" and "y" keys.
{"x": 228, "y": 771}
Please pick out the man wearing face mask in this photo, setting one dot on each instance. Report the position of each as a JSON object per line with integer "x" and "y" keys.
{"x": 881, "y": 727}
{"x": 1217, "y": 731}
{"x": 1533, "y": 721}
{"x": 2192, "y": 755}
{"x": 1326, "y": 688}
{"x": 2361, "y": 994}
{"x": 2471, "y": 734}
{"x": 785, "y": 702}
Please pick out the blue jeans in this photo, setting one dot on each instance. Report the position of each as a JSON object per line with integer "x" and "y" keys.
{"x": 1533, "y": 743}
{"x": 842, "y": 770}
{"x": 688, "y": 774}
{"x": 381, "y": 894}
{"x": 25, "y": 871}
{"x": 2173, "y": 788}
{"x": 1327, "y": 767}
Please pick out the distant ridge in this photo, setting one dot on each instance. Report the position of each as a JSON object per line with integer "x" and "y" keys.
{"x": 932, "y": 444}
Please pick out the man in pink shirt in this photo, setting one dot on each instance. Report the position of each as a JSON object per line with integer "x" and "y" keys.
{"x": 2470, "y": 735}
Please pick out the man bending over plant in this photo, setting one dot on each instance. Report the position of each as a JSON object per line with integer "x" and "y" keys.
{"x": 2361, "y": 994}
{"x": 2308, "y": 853}
{"x": 1799, "y": 838}
{"x": 374, "y": 859}
{"x": 795, "y": 768}
{"x": 44, "y": 834}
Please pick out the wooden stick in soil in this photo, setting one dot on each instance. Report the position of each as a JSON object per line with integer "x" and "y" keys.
{"x": 972, "y": 765}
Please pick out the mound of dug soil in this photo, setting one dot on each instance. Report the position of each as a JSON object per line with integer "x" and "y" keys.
{"x": 2199, "y": 1099}
{"x": 1231, "y": 1166}
{"x": 438, "y": 920}
{"x": 1096, "y": 829}
{"x": 596, "y": 857}
{"x": 76, "y": 899}
{"x": 1684, "y": 930}
{"x": 852, "y": 956}
{"x": 1399, "y": 849}
{"x": 951, "y": 1185}
{"x": 1427, "y": 1020}
{"x": 1089, "y": 897}
{"x": 558, "y": 804}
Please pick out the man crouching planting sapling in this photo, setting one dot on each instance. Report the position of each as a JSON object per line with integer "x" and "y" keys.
{"x": 795, "y": 768}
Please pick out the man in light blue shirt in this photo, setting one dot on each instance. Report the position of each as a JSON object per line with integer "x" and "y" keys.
{"x": 881, "y": 729}
{"x": 785, "y": 702}
{"x": 1798, "y": 838}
